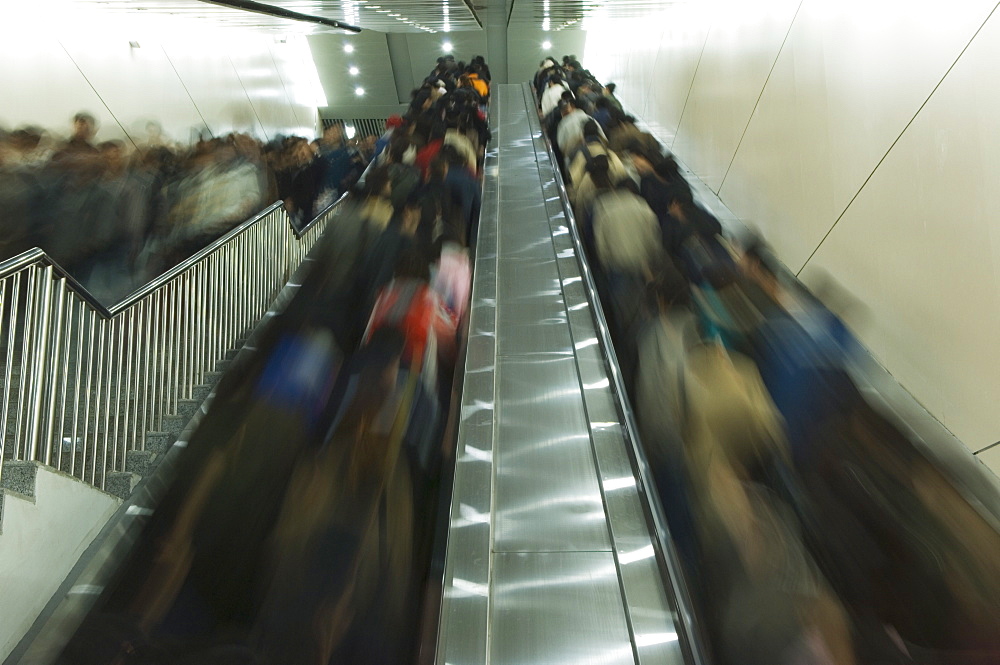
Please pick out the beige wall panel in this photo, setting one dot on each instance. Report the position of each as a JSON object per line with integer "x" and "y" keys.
{"x": 685, "y": 30}
{"x": 920, "y": 246}
{"x": 212, "y": 82}
{"x": 42, "y": 87}
{"x": 741, "y": 49}
{"x": 262, "y": 83}
{"x": 991, "y": 458}
{"x": 137, "y": 85}
{"x": 851, "y": 75}
{"x": 301, "y": 83}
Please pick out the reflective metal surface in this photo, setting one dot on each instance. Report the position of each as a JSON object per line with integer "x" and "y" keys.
{"x": 655, "y": 619}
{"x": 558, "y": 607}
{"x": 550, "y": 559}
{"x": 547, "y": 495}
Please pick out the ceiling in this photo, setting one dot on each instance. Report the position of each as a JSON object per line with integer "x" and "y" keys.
{"x": 401, "y": 39}
{"x": 380, "y": 15}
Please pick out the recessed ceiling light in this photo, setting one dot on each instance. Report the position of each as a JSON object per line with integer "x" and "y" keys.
{"x": 354, "y": 71}
{"x": 546, "y": 45}
{"x": 348, "y": 48}
{"x": 359, "y": 91}
{"x": 446, "y": 47}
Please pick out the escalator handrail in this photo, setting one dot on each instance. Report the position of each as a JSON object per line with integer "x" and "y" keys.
{"x": 669, "y": 557}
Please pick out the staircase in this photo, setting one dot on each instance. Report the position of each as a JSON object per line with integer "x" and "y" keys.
{"x": 93, "y": 398}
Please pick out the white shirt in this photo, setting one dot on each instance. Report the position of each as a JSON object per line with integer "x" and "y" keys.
{"x": 551, "y": 97}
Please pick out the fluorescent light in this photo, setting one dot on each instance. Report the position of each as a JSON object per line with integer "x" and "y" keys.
{"x": 446, "y": 47}
{"x": 349, "y": 131}
{"x": 359, "y": 91}
{"x": 546, "y": 45}
{"x": 348, "y": 48}
{"x": 354, "y": 71}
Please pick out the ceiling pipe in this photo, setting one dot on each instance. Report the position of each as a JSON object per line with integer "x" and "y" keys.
{"x": 279, "y": 12}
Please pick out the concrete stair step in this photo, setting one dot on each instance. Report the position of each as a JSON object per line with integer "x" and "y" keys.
{"x": 121, "y": 483}
{"x": 19, "y": 477}
{"x": 160, "y": 442}
{"x": 140, "y": 462}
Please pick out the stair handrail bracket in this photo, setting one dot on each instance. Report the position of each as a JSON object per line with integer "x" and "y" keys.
{"x": 84, "y": 384}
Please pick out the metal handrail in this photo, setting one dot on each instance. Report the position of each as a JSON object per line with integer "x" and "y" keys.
{"x": 85, "y": 383}
{"x": 669, "y": 557}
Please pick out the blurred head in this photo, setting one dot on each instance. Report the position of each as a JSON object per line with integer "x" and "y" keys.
{"x": 84, "y": 126}
{"x": 408, "y": 214}
{"x": 378, "y": 183}
{"x": 113, "y": 155}
{"x": 598, "y": 171}
{"x": 438, "y": 169}
{"x": 333, "y": 135}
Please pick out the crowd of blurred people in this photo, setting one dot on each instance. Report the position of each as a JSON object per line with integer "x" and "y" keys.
{"x": 117, "y": 213}
{"x": 812, "y": 530}
{"x": 299, "y": 524}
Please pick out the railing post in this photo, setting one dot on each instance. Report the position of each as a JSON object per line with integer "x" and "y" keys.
{"x": 41, "y": 361}
{"x": 20, "y": 430}
{"x": 8, "y": 312}
{"x": 59, "y": 369}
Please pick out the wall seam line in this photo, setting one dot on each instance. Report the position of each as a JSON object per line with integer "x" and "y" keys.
{"x": 690, "y": 88}
{"x": 113, "y": 116}
{"x": 989, "y": 447}
{"x": 901, "y": 133}
{"x": 760, "y": 96}
{"x": 247, "y": 94}
{"x": 284, "y": 89}
{"x": 184, "y": 85}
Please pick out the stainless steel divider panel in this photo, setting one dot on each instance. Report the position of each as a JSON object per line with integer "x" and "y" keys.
{"x": 549, "y": 559}
{"x": 547, "y": 497}
{"x": 651, "y": 616}
{"x": 552, "y": 607}
{"x": 554, "y": 593}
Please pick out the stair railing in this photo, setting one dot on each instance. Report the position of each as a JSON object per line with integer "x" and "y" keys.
{"x": 83, "y": 383}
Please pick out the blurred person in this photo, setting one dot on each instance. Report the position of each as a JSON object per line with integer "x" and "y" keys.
{"x": 569, "y": 135}
{"x": 393, "y": 123}
{"x": 339, "y": 165}
{"x": 376, "y": 204}
{"x": 609, "y": 94}
{"x": 429, "y": 150}
{"x": 410, "y": 304}
{"x": 20, "y": 191}
{"x": 440, "y": 211}
{"x": 625, "y": 135}
{"x": 605, "y": 114}
{"x": 399, "y": 236}
{"x": 586, "y": 96}
{"x": 404, "y": 176}
{"x": 456, "y": 138}
{"x": 594, "y": 144}
{"x": 546, "y": 69}
{"x": 465, "y": 192}
{"x": 344, "y": 531}
{"x": 628, "y": 250}
{"x": 553, "y": 93}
